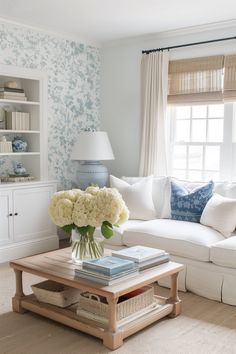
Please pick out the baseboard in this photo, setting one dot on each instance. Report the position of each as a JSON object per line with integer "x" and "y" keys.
{"x": 28, "y": 248}
{"x": 62, "y": 234}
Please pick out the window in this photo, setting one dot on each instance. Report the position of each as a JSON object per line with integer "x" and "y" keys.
{"x": 202, "y": 142}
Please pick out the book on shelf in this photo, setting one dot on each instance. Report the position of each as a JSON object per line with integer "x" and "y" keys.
{"x": 138, "y": 254}
{"x": 11, "y": 89}
{"x": 108, "y": 265}
{"x": 11, "y": 120}
{"x": 107, "y": 281}
{"x": 10, "y": 94}
{"x": 26, "y": 120}
{"x": 5, "y": 96}
{"x": 17, "y": 179}
{"x": 18, "y": 120}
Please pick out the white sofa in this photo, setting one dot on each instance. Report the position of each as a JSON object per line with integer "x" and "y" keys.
{"x": 209, "y": 257}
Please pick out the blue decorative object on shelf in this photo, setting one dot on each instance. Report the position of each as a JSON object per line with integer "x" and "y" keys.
{"x": 19, "y": 144}
{"x": 188, "y": 206}
{"x": 19, "y": 169}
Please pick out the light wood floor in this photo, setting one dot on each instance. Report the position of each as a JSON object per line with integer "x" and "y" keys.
{"x": 205, "y": 327}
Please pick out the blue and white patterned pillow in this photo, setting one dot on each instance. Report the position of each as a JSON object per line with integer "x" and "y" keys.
{"x": 188, "y": 206}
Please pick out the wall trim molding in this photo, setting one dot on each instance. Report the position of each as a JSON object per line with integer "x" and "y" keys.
{"x": 229, "y": 24}
{"x": 59, "y": 35}
{"x": 28, "y": 248}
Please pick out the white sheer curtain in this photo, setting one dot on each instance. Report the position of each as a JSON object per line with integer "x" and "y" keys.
{"x": 154, "y": 91}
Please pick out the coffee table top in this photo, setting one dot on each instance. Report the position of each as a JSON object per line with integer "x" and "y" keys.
{"x": 57, "y": 265}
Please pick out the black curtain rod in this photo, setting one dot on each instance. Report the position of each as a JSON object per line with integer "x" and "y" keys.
{"x": 187, "y": 45}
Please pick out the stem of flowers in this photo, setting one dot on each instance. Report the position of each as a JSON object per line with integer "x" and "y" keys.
{"x": 87, "y": 246}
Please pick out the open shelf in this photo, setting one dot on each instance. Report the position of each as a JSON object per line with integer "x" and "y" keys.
{"x": 68, "y": 316}
{"x": 34, "y": 84}
{"x": 19, "y": 153}
{"x": 9, "y": 131}
{"x": 31, "y": 103}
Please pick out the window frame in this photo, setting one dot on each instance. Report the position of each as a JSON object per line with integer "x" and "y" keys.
{"x": 227, "y": 169}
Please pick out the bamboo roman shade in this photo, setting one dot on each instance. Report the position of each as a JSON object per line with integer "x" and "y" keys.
{"x": 230, "y": 78}
{"x": 196, "y": 80}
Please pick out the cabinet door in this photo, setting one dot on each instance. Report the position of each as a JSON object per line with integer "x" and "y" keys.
{"x": 30, "y": 216}
{"x": 5, "y": 217}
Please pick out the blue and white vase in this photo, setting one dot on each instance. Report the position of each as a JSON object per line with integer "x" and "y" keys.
{"x": 19, "y": 144}
{"x": 19, "y": 169}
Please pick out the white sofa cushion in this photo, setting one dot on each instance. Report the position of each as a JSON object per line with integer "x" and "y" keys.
{"x": 220, "y": 213}
{"x": 160, "y": 193}
{"x": 138, "y": 197}
{"x": 180, "y": 238}
{"x": 117, "y": 238}
{"x": 223, "y": 253}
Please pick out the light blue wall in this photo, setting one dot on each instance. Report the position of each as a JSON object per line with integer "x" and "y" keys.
{"x": 73, "y": 90}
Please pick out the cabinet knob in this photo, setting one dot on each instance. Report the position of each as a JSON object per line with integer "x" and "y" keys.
{"x": 10, "y": 214}
{"x": 16, "y": 214}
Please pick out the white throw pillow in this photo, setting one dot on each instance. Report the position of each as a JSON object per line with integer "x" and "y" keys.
{"x": 220, "y": 213}
{"x": 138, "y": 197}
{"x": 160, "y": 186}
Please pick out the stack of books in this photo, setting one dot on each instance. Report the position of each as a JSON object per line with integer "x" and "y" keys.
{"x": 18, "y": 120}
{"x": 16, "y": 179}
{"x": 107, "y": 270}
{"x": 143, "y": 257}
{"x": 15, "y": 94}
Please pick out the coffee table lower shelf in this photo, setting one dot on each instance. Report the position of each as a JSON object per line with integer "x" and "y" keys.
{"x": 69, "y": 318}
{"x": 57, "y": 266}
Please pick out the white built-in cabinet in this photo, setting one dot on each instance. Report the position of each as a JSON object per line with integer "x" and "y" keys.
{"x": 6, "y": 225}
{"x": 25, "y": 227}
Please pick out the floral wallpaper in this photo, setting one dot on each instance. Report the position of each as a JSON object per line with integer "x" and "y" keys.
{"x": 73, "y": 90}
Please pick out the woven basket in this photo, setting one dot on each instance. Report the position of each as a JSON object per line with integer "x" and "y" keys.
{"x": 127, "y": 305}
{"x": 55, "y": 294}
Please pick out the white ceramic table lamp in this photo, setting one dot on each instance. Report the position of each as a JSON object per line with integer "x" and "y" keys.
{"x": 90, "y": 149}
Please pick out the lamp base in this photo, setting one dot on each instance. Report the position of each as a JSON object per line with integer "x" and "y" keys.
{"x": 92, "y": 172}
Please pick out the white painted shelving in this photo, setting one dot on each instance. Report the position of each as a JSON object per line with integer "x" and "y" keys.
{"x": 25, "y": 227}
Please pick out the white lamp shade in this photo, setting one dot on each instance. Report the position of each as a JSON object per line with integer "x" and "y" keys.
{"x": 92, "y": 146}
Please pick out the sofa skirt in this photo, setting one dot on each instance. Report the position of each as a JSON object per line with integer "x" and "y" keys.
{"x": 206, "y": 279}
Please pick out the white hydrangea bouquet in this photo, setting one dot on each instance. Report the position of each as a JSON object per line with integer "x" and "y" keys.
{"x": 81, "y": 212}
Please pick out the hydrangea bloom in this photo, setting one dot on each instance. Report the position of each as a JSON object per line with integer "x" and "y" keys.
{"x": 90, "y": 207}
{"x": 61, "y": 207}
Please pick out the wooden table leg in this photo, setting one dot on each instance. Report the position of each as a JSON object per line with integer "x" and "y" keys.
{"x": 112, "y": 337}
{"x": 16, "y": 300}
{"x": 174, "y": 298}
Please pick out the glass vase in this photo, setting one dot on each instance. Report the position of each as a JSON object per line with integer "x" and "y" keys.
{"x": 86, "y": 247}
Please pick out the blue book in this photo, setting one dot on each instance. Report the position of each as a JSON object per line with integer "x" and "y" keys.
{"x": 91, "y": 273}
{"x": 108, "y": 282}
{"x": 108, "y": 265}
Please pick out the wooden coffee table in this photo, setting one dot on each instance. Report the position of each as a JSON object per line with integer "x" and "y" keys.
{"x": 57, "y": 266}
